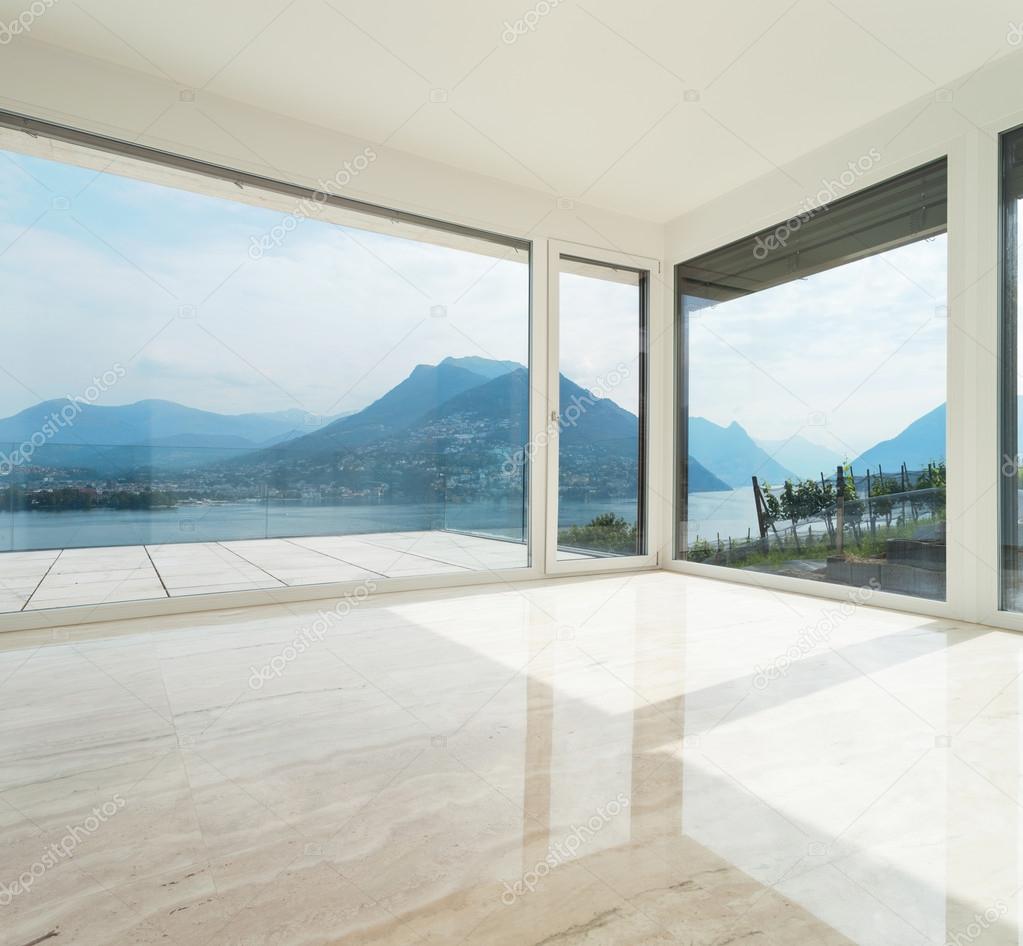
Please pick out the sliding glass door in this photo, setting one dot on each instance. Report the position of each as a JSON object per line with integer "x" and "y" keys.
{"x": 597, "y": 424}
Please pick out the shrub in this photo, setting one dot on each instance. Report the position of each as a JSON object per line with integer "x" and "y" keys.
{"x": 605, "y": 533}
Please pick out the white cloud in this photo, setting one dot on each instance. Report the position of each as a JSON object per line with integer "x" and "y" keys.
{"x": 328, "y": 322}
{"x": 863, "y": 345}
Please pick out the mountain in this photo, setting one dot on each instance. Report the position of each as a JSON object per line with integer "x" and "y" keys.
{"x": 498, "y": 410}
{"x": 439, "y": 404}
{"x": 427, "y": 387}
{"x": 916, "y": 446}
{"x": 597, "y": 435}
{"x": 590, "y": 420}
{"x": 447, "y": 424}
{"x": 203, "y": 441}
{"x": 485, "y": 367}
{"x": 732, "y": 454}
{"x": 458, "y": 427}
{"x": 151, "y": 423}
{"x": 701, "y": 480}
{"x": 804, "y": 457}
{"x": 490, "y": 414}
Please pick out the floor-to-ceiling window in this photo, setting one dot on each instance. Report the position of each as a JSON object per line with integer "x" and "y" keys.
{"x": 602, "y": 351}
{"x": 1011, "y": 388}
{"x": 211, "y": 386}
{"x": 812, "y": 379}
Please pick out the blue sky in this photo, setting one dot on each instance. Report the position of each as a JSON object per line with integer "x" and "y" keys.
{"x": 844, "y": 358}
{"x": 598, "y": 334}
{"x": 326, "y": 322}
{"x": 335, "y": 317}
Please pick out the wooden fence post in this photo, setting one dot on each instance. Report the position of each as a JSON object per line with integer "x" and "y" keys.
{"x": 840, "y": 513}
{"x": 761, "y": 506}
{"x": 870, "y": 507}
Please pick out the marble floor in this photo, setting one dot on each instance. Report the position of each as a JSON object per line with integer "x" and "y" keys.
{"x": 30, "y": 581}
{"x": 638, "y": 759}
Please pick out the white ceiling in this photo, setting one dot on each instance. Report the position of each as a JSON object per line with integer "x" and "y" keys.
{"x": 650, "y": 107}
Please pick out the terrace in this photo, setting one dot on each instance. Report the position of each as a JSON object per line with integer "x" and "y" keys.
{"x": 58, "y": 578}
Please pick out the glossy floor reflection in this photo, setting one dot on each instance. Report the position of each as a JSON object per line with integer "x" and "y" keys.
{"x": 623, "y": 760}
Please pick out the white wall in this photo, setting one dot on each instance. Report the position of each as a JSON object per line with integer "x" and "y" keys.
{"x": 963, "y": 121}
{"x": 975, "y": 107}
{"x": 57, "y": 85}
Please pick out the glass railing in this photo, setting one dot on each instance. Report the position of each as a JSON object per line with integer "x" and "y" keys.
{"x": 881, "y": 531}
{"x": 491, "y": 500}
{"x": 94, "y": 495}
{"x": 97, "y": 495}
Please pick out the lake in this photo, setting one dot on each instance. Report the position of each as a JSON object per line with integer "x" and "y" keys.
{"x": 728, "y": 513}
{"x": 25, "y": 530}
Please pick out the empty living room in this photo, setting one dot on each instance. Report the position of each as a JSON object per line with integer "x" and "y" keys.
{"x": 535, "y": 473}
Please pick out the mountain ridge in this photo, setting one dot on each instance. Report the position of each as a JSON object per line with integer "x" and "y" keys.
{"x": 732, "y": 455}
{"x": 149, "y": 422}
{"x": 463, "y": 403}
{"x": 917, "y": 444}
{"x": 804, "y": 457}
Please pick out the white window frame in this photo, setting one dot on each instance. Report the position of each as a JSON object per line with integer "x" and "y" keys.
{"x": 656, "y": 401}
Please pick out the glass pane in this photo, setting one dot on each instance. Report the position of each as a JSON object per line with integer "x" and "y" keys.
{"x": 307, "y": 393}
{"x": 600, "y": 441}
{"x": 809, "y": 455}
{"x": 1011, "y": 525}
